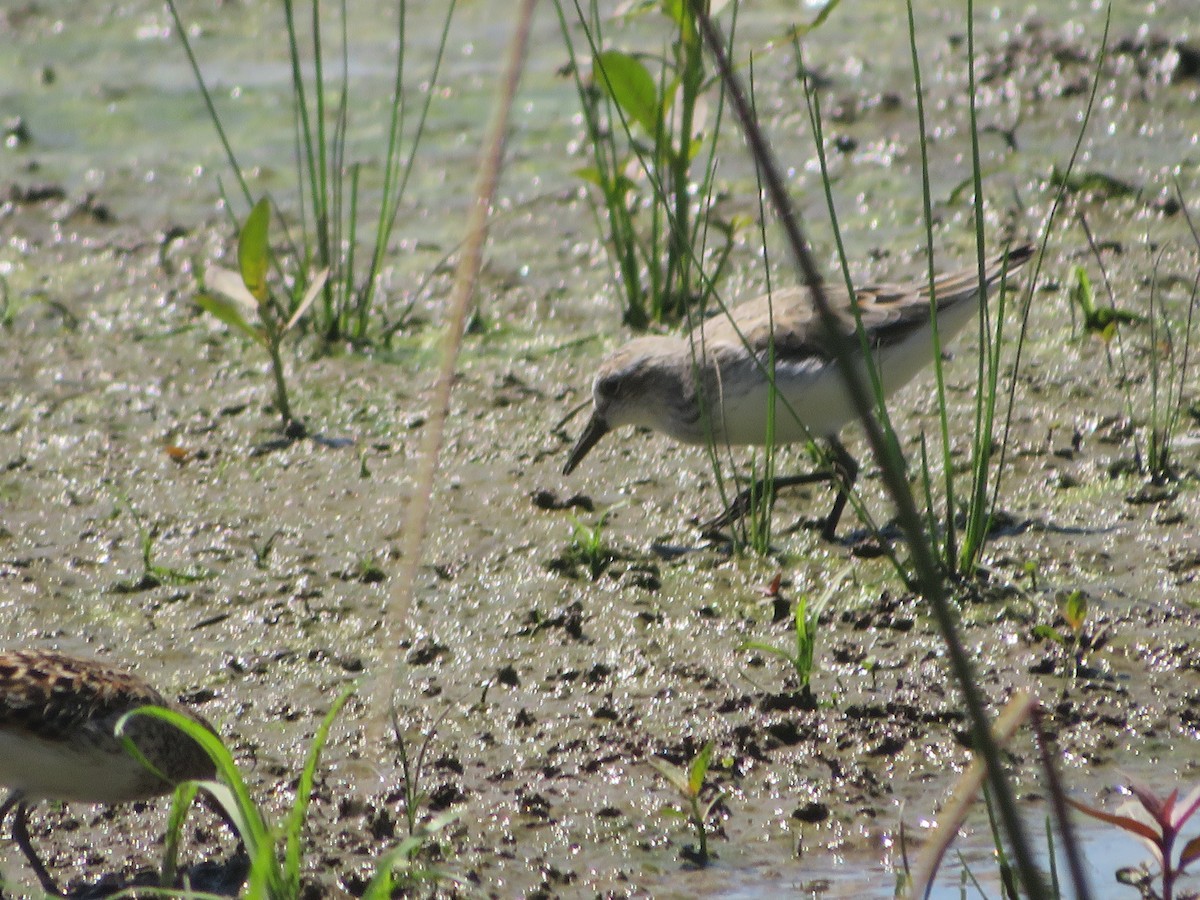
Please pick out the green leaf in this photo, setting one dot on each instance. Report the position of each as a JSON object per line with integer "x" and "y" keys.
{"x": 591, "y": 175}
{"x": 799, "y": 31}
{"x": 230, "y": 285}
{"x": 1075, "y": 610}
{"x": 699, "y": 768}
{"x": 254, "y": 250}
{"x": 1094, "y": 182}
{"x": 675, "y": 776}
{"x": 766, "y": 648}
{"x": 629, "y": 85}
{"x": 228, "y": 312}
{"x": 1047, "y": 633}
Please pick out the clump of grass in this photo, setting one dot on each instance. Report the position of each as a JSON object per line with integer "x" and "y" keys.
{"x": 589, "y": 547}
{"x": 653, "y": 160}
{"x": 277, "y": 851}
{"x": 689, "y": 784}
{"x": 338, "y": 234}
{"x": 801, "y": 655}
{"x": 245, "y": 301}
{"x": 1164, "y": 342}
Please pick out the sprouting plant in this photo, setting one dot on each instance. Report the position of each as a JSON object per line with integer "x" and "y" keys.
{"x": 1101, "y": 321}
{"x": 689, "y": 783}
{"x": 246, "y": 294}
{"x": 1166, "y": 819}
{"x": 800, "y": 656}
{"x": 412, "y": 769}
{"x": 276, "y": 852}
{"x": 153, "y": 573}
{"x": 806, "y": 619}
{"x": 588, "y": 546}
{"x": 1075, "y": 641}
{"x": 342, "y": 230}
{"x": 645, "y": 127}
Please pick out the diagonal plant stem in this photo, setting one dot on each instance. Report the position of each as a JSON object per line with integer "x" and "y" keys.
{"x": 928, "y": 576}
{"x": 397, "y": 615}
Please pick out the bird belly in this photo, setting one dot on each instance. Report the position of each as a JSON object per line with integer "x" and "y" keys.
{"x": 810, "y": 403}
{"x": 73, "y": 770}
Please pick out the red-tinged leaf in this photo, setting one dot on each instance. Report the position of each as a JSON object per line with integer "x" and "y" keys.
{"x": 772, "y": 589}
{"x": 1187, "y": 808}
{"x": 1190, "y": 853}
{"x": 1133, "y": 826}
{"x": 1160, "y": 810}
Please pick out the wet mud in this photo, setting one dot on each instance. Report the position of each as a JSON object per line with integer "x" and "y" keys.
{"x": 150, "y": 517}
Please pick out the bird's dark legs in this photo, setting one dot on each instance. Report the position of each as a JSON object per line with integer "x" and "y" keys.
{"x": 20, "y": 832}
{"x": 844, "y": 470}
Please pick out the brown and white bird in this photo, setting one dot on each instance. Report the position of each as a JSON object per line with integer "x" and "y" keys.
{"x": 57, "y": 719}
{"x": 714, "y": 384}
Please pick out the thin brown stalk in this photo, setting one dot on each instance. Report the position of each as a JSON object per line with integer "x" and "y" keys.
{"x": 966, "y": 791}
{"x": 397, "y": 614}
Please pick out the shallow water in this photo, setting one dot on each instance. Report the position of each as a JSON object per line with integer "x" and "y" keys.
{"x": 560, "y": 687}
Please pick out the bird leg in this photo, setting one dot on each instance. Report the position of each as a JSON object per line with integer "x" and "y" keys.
{"x": 844, "y": 470}
{"x": 20, "y": 832}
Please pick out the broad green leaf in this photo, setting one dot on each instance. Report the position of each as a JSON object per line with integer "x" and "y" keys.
{"x": 699, "y": 768}
{"x": 1048, "y": 633}
{"x": 228, "y": 313}
{"x": 254, "y": 251}
{"x": 590, "y": 174}
{"x": 1075, "y": 610}
{"x": 629, "y": 85}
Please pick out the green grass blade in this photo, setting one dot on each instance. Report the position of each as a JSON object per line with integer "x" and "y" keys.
{"x": 295, "y": 821}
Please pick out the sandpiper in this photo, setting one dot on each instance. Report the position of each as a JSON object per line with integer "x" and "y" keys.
{"x": 713, "y": 384}
{"x": 57, "y": 718}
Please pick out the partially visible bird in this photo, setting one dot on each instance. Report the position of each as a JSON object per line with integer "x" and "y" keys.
{"x": 714, "y": 383}
{"x": 57, "y": 719}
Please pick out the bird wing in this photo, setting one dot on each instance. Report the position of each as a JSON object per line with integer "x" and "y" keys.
{"x": 889, "y": 312}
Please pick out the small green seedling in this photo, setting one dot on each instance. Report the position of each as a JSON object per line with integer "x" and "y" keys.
{"x": 1099, "y": 321}
{"x": 588, "y": 546}
{"x": 1166, "y": 820}
{"x": 689, "y": 783}
{"x": 154, "y": 574}
{"x": 1074, "y": 612}
{"x": 800, "y": 657}
{"x": 246, "y": 294}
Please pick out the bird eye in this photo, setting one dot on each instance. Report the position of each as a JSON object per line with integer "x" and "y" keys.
{"x": 608, "y": 387}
